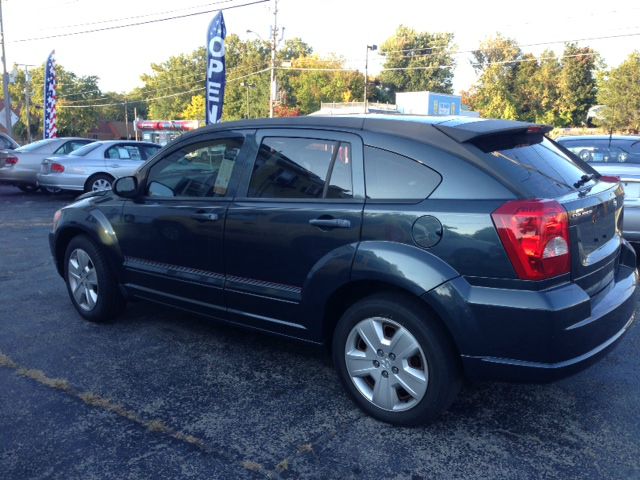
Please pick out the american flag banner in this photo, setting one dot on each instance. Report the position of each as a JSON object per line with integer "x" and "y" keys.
{"x": 216, "y": 72}
{"x": 50, "y": 98}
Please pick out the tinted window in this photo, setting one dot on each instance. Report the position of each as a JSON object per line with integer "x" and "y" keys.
{"x": 36, "y": 145}
{"x": 540, "y": 167}
{"x": 390, "y": 176}
{"x": 299, "y": 167}
{"x": 149, "y": 150}
{"x": 82, "y": 151}
{"x": 200, "y": 170}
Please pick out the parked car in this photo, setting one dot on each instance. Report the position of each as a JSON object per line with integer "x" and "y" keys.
{"x": 20, "y": 166}
{"x": 615, "y": 155}
{"x": 7, "y": 143}
{"x": 419, "y": 249}
{"x": 95, "y": 166}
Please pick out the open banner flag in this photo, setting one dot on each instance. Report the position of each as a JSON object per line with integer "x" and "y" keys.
{"x": 50, "y": 98}
{"x": 216, "y": 72}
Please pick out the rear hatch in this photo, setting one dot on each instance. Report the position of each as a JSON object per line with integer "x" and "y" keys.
{"x": 535, "y": 167}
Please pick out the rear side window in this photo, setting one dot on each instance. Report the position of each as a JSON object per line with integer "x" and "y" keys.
{"x": 390, "y": 176}
{"x": 299, "y": 168}
{"x": 539, "y": 167}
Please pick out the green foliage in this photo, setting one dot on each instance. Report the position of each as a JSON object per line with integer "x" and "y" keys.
{"x": 619, "y": 92}
{"x": 425, "y": 61}
{"x": 311, "y": 87}
{"x": 517, "y": 85}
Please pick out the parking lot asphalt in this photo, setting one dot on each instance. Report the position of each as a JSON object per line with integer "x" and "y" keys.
{"x": 164, "y": 394}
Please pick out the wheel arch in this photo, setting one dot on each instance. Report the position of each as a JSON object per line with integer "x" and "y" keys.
{"x": 94, "y": 175}
{"x": 346, "y": 295}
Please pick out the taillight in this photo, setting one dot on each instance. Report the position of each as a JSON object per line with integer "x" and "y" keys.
{"x": 11, "y": 160}
{"x": 57, "y": 168}
{"x": 609, "y": 178}
{"x": 535, "y": 235}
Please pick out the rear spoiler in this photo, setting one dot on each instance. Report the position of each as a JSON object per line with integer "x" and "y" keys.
{"x": 470, "y": 131}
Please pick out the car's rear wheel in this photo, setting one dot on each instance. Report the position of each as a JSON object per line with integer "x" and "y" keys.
{"x": 51, "y": 190}
{"x": 28, "y": 188}
{"x": 395, "y": 360}
{"x": 92, "y": 286}
{"x": 99, "y": 182}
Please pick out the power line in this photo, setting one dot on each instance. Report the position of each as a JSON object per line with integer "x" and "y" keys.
{"x": 133, "y": 17}
{"x": 161, "y": 97}
{"x": 135, "y": 24}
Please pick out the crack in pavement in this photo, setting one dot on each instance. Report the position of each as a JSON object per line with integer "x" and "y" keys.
{"x": 97, "y": 401}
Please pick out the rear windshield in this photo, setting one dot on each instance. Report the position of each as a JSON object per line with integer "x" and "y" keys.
{"x": 35, "y": 145}
{"x": 542, "y": 169}
{"x": 82, "y": 151}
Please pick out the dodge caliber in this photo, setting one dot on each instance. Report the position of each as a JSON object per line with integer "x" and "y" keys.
{"x": 419, "y": 250}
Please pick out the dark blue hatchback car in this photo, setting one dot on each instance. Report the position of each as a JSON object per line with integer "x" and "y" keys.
{"x": 420, "y": 250}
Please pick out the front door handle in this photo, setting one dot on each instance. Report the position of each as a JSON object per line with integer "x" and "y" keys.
{"x": 330, "y": 222}
{"x": 205, "y": 217}
{"x": 115, "y": 165}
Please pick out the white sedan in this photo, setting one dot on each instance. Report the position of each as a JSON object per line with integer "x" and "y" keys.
{"x": 95, "y": 166}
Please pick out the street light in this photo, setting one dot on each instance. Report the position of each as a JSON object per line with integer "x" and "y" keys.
{"x": 366, "y": 74}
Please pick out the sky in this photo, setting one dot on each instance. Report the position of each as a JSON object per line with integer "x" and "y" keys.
{"x": 343, "y": 27}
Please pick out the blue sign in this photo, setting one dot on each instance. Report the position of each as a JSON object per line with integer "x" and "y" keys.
{"x": 216, "y": 72}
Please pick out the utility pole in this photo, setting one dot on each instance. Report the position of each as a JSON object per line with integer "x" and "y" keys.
{"x": 274, "y": 45}
{"x": 27, "y": 94}
{"x": 5, "y": 80}
{"x": 126, "y": 118}
{"x": 366, "y": 75}
{"x": 26, "y": 101}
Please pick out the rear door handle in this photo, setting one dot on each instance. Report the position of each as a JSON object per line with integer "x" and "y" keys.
{"x": 205, "y": 217}
{"x": 114, "y": 165}
{"x": 330, "y": 222}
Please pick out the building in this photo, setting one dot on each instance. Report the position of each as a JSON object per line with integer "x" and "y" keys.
{"x": 163, "y": 131}
{"x": 111, "y": 130}
{"x": 407, "y": 103}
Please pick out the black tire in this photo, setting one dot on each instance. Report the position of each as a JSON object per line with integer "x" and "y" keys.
{"x": 28, "y": 188}
{"x": 98, "y": 177}
{"x": 110, "y": 302}
{"x": 442, "y": 360}
{"x": 51, "y": 190}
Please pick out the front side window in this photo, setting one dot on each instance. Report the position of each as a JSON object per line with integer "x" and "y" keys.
{"x": 298, "y": 168}
{"x": 389, "y": 176}
{"x": 196, "y": 171}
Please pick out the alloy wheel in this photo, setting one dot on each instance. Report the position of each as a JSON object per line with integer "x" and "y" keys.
{"x": 386, "y": 364}
{"x": 100, "y": 184}
{"x": 83, "y": 279}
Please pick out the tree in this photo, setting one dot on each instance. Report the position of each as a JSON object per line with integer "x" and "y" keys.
{"x": 576, "y": 85}
{"x": 323, "y": 80}
{"x": 417, "y": 61}
{"x": 495, "y": 93}
{"x": 544, "y": 89}
{"x": 195, "y": 110}
{"x": 619, "y": 92}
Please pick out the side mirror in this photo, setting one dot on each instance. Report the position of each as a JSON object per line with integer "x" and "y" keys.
{"x": 126, "y": 187}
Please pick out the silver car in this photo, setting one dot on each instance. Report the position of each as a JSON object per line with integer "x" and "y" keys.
{"x": 95, "y": 166}
{"x": 619, "y": 156}
{"x": 20, "y": 167}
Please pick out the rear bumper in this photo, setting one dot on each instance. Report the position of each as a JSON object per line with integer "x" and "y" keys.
{"x": 17, "y": 176}
{"x": 631, "y": 223}
{"x": 62, "y": 180}
{"x": 536, "y": 336}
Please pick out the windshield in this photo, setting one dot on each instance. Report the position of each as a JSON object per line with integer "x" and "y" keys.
{"x": 35, "y": 145}
{"x": 541, "y": 168}
{"x": 82, "y": 151}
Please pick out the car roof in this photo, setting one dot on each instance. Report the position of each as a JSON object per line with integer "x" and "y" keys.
{"x": 113, "y": 142}
{"x": 632, "y": 138}
{"x": 417, "y": 127}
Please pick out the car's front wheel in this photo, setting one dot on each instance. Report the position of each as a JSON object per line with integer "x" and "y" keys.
{"x": 28, "y": 188}
{"x": 92, "y": 287}
{"x": 395, "y": 360}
